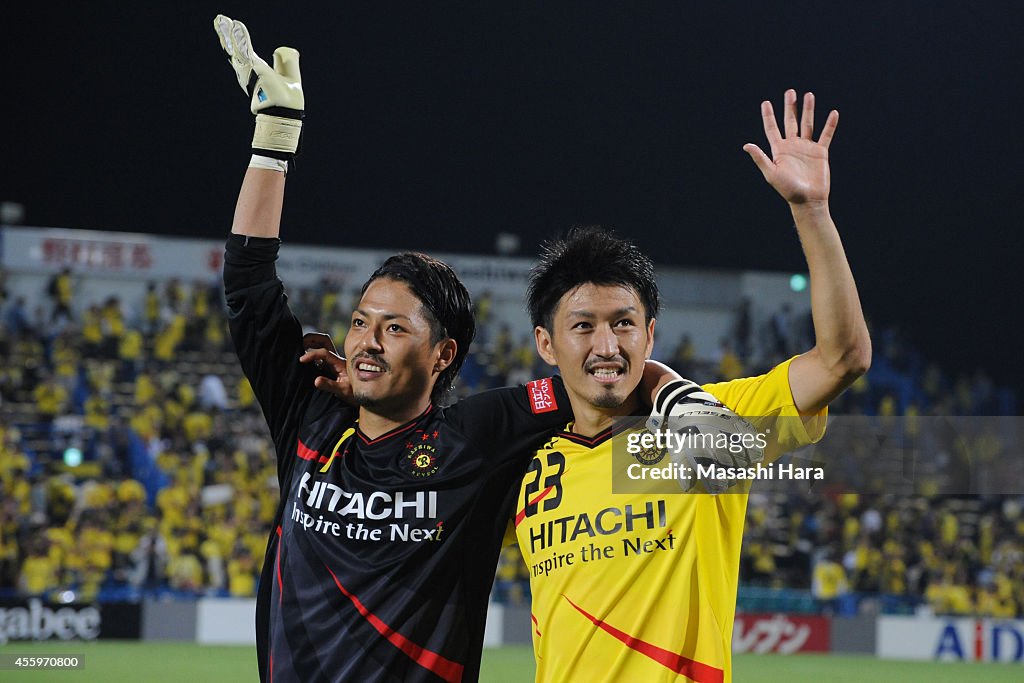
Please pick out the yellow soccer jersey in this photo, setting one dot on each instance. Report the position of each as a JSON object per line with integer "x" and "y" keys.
{"x": 639, "y": 587}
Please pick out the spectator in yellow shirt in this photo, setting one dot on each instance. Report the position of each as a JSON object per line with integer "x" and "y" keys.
{"x": 51, "y": 399}
{"x": 729, "y": 365}
{"x": 60, "y": 292}
{"x": 829, "y": 582}
{"x": 112, "y": 327}
{"x": 130, "y": 353}
{"x": 185, "y": 573}
{"x": 39, "y": 572}
{"x": 150, "y": 309}
{"x": 242, "y": 575}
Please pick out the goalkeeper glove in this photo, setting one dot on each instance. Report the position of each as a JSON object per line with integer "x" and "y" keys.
{"x": 709, "y": 435}
{"x": 276, "y": 93}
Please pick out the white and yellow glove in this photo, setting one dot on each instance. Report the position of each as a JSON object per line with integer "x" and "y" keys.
{"x": 713, "y": 439}
{"x": 276, "y": 93}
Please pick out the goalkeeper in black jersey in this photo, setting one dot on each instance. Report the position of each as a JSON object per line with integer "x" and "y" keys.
{"x": 381, "y": 558}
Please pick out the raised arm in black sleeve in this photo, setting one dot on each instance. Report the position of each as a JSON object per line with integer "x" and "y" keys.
{"x": 266, "y": 335}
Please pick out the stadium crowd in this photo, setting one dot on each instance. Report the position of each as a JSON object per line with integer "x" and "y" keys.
{"x": 133, "y": 458}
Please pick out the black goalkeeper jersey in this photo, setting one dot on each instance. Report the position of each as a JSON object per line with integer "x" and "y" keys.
{"x": 381, "y": 559}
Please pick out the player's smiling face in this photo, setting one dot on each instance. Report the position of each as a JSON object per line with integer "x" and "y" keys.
{"x": 599, "y": 340}
{"x": 391, "y": 362}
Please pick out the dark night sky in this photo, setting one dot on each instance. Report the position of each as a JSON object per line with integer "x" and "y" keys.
{"x": 435, "y": 126}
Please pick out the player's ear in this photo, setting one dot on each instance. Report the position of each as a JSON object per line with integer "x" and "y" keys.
{"x": 649, "y": 349}
{"x": 445, "y": 352}
{"x": 544, "y": 349}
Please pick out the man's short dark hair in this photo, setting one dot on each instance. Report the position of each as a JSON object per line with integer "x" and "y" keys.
{"x": 446, "y": 303}
{"x": 588, "y": 254}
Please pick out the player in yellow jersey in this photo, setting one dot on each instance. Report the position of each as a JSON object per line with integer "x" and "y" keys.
{"x": 642, "y": 587}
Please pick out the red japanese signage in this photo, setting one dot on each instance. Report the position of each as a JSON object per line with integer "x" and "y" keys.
{"x": 97, "y": 254}
{"x": 781, "y": 633}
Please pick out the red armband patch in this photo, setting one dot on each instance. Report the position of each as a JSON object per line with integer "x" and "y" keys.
{"x": 542, "y": 396}
{"x": 305, "y": 452}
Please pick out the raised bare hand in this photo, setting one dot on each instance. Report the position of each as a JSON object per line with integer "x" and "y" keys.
{"x": 798, "y": 167}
